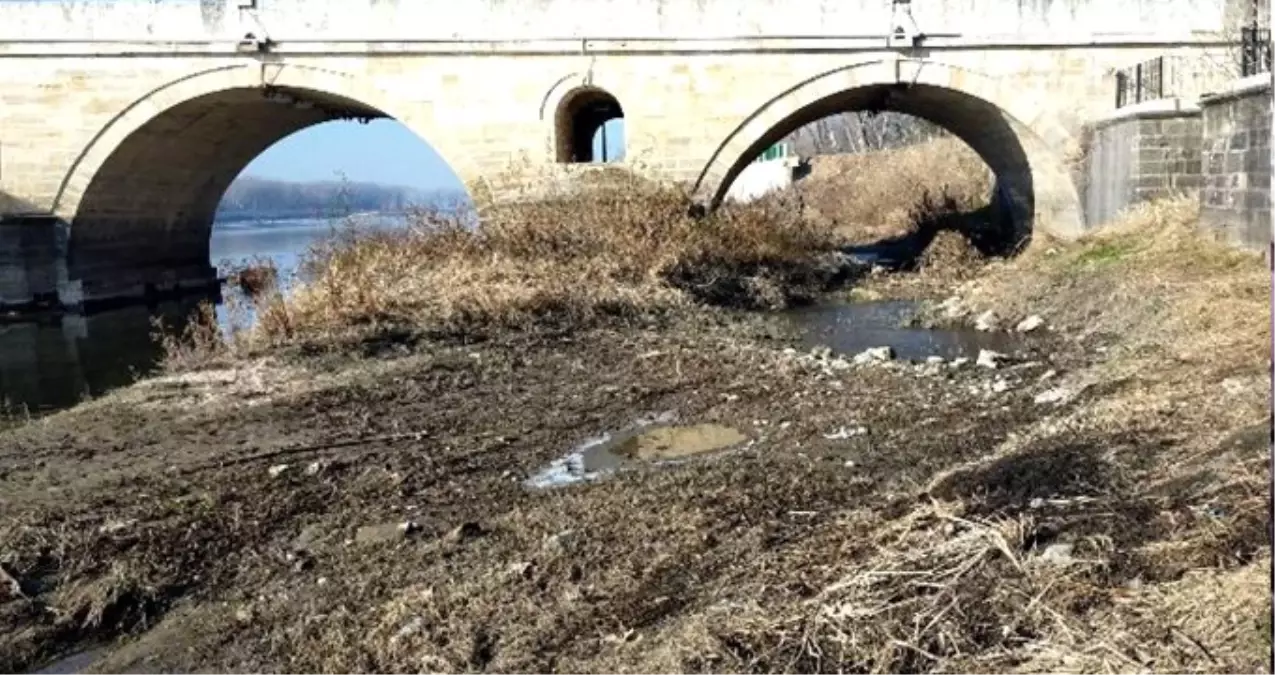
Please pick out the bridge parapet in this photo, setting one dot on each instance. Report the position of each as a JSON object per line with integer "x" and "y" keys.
{"x": 501, "y": 20}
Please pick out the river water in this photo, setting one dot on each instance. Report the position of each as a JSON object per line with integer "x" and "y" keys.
{"x": 54, "y": 362}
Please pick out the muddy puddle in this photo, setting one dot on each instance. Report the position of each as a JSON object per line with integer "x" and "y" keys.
{"x": 652, "y": 441}
{"x": 850, "y": 328}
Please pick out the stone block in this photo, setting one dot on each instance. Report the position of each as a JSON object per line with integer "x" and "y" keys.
{"x": 1152, "y": 181}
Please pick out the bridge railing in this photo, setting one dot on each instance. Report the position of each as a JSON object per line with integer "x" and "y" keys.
{"x": 1255, "y": 50}
{"x": 1141, "y": 82}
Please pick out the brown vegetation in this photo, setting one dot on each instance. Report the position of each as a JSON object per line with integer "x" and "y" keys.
{"x": 620, "y": 252}
{"x": 876, "y": 196}
{"x": 256, "y": 278}
{"x": 1180, "y": 324}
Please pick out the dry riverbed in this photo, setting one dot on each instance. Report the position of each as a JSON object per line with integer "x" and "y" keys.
{"x": 761, "y": 508}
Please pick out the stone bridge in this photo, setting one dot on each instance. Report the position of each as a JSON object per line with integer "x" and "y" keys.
{"x": 122, "y": 123}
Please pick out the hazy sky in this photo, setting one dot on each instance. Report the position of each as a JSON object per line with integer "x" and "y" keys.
{"x": 382, "y": 151}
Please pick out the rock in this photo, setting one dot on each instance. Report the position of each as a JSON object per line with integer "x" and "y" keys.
{"x": 958, "y": 362}
{"x": 317, "y": 467}
{"x": 465, "y": 532}
{"x": 1047, "y": 375}
{"x": 1057, "y": 554}
{"x": 558, "y": 543}
{"x": 309, "y": 535}
{"x": 843, "y": 433}
{"x": 407, "y": 630}
{"x": 874, "y": 355}
{"x": 935, "y": 360}
{"x": 116, "y": 525}
{"x": 1235, "y": 385}
{"x": 789, "y": 351}
{"x": 986, "y": 321}
{"x": 822, "y": 352}
{"x": 1000, "y": 386}
{"x": 1029, "y": 324}
{"x": 990, "y": 359}
{"x": 519, "y": 569}
{"x": 277, "y": 470}
{"x": 1057, "y": 395}
{"x": 838, "y": 364}
{"x": 386, "y": 532}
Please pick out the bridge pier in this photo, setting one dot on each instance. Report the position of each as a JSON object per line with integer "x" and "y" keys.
{"x": 32, "y": 261}
{"x": 106, "y": 284}
{"x": 38, "y": 270}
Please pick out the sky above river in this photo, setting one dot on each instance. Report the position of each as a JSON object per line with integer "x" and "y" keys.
{"x": 382, "y": 151}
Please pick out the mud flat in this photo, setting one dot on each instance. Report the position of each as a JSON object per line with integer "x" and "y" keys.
{"x": 752, "y": 500}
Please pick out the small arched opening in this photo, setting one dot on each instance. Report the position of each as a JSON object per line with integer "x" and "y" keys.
{"x": 589, "y": 127}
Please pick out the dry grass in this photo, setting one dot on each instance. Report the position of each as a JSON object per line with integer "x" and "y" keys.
{"x": 1179, "y": 327}
{"x": 622, "y": 250}
{"x": 1154, "y": 279}
{"x": 874, "y": 196}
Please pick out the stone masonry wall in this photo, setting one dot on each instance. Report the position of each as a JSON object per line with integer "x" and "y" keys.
{"x": 1142, "y": 155}
{"x": 1236, "y": 198}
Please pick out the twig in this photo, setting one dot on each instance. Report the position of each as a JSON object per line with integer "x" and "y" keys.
{"x": 916, "y": 649}
{"x": 386, "y": 438}
{"x": 1195, "y": 642}
{"x": 997, "y": 538}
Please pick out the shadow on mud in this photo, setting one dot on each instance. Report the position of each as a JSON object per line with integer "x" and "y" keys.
{"x": 1090, "y": 492}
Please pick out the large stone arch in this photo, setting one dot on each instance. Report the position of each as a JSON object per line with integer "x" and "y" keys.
{"x": 1007, "y": 126}
{"x": 140, "y": 200}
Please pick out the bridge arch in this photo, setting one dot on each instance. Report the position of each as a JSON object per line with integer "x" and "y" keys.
{"x": 1006, "y": 126}
{"x": 581, "y": 114}
{"x": 141, "y": 199}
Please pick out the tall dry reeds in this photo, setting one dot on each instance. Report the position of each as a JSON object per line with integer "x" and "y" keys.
{"x": 872, "y": 196}
{"x": 621, "y": 251}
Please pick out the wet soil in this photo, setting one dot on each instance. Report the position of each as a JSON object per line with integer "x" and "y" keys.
{"x": 350, "y": 512}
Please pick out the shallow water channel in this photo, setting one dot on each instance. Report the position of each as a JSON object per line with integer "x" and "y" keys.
{"x": 849, "y": 328}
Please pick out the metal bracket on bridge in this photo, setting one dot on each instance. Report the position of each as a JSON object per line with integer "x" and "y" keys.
{"x": 899, "y": 35}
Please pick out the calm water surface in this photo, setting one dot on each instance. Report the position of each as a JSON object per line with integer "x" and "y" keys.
{"x": 57, "y": 361}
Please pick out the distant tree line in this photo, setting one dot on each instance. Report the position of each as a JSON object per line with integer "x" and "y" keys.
{"x": 251, "y": 197}
{"x": 854, "y": 132}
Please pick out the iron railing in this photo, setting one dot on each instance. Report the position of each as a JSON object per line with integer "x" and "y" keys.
{"x": 1255, "y": 50}
{"x": 1141, "y": 82}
